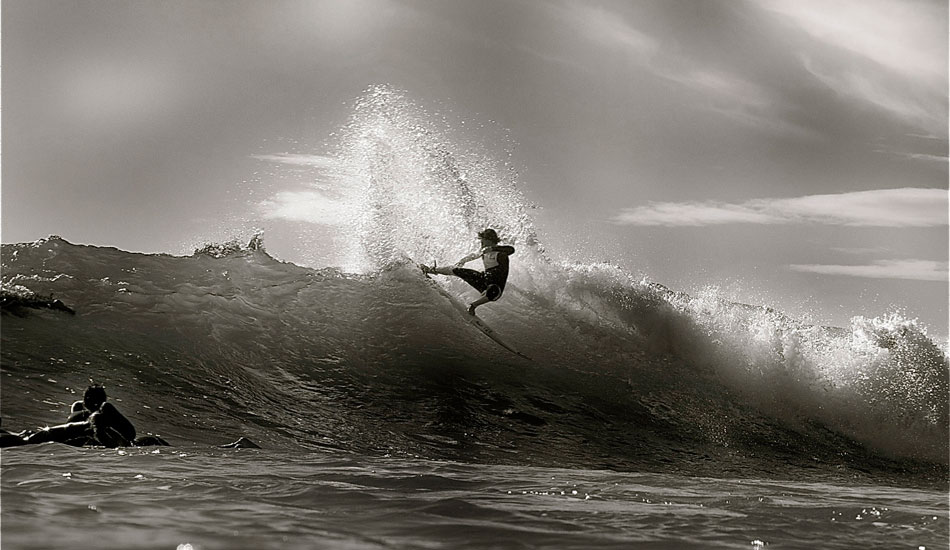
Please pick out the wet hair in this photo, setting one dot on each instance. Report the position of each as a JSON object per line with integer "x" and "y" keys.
{"x": 95, "y": 393}
{"x": 489, "y": 234}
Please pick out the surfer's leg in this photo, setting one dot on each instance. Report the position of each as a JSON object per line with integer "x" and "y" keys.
{"x": 479, "y": 281}
{"x": 492, "y": 293}
{"x": 474, "y": 278}
{"x": 476, "y": 303}
{"x": 8, "y": 439}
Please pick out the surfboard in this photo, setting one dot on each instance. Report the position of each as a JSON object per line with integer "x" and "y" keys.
{"x": 473, "y": 319}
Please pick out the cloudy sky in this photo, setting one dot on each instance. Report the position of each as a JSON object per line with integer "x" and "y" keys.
{"x": 791, "y": 152}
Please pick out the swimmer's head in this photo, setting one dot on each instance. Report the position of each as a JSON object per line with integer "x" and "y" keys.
{"x": 94, "y": 397}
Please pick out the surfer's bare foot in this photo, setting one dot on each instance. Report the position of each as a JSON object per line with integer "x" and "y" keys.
{"x": 471, "y": 309}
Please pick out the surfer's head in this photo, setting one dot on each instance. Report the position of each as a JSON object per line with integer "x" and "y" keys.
{"x": 94, "y": 397}
{"x": 489, "y": 235}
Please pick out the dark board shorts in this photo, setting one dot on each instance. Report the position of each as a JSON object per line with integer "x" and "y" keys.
{"x": 482, "y": 282}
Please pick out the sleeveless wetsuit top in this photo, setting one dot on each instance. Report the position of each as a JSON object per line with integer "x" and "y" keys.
{"x": 495, "y": 259}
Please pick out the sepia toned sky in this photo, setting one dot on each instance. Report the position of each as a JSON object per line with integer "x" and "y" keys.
{"x": 790, "y": 152}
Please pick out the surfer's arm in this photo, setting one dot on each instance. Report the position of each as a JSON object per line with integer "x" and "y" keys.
{"x": 470, "y": 257}
{"x": 77, "y": 413}
{"x": 118, "y": 422}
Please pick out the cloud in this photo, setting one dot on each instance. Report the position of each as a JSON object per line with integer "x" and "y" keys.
{"x": 316, "y": 161}
{"x": 722, "y": 85}
{"x": 905, "y": 36}
{"x": 906, "y": 207}
{"x": 741, "y": 100}
{"x": 886, "y": 54}
{"x": 918, "y": 108}
{"x": 929, "y": 137}
{"x": 859, "y": 251}
{"x": 720, "y": 91}
{"x": 920, "y": 156}
{"x": 306, "y": 206}
{"x": 917, "y": 270}
{"x": 323, "y": 199}
{"x": 691, "y": 214}
{"x": 608, "y": 27}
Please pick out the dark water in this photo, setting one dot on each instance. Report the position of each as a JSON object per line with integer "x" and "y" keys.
{"x": 386, "y": 420}
{"x": 59, "y": 497}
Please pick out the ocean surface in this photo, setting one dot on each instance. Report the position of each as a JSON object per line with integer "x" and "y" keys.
{"x": 195, "y": 497}
{"x": 647, "y": 417}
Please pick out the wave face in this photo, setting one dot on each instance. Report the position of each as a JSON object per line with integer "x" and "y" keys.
{"x": 370, "y": 358}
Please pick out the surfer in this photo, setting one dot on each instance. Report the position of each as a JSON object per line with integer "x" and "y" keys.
{"x": 95, "y": 421}
{"x": 491, "y": 282}
{"x": 92, "y": 421}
